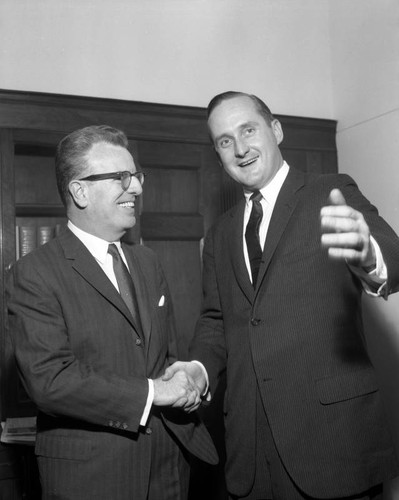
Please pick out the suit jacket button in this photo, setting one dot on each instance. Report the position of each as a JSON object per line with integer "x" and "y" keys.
{"x": 138, "y": 342}
{"x": 124, "y": 426}
{"x": 255, "y": 322}
{"x": 148, "y": 430}
{"x": 111, "y": 423}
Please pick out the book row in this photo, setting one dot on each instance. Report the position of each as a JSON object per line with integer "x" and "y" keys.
{"x": 30, "y": 237}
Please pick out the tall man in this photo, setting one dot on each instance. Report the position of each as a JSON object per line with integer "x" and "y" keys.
{"x": 303, "y": 413}
{"x": 91, "y": 341}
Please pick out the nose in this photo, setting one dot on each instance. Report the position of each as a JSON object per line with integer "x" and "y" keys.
{"x": 135, "y": 187}
{"x": 241, "y": 148}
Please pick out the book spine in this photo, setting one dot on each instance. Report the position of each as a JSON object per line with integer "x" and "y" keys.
{"x": 59, "y": 228}
{"x": 45, "y": 234}
{"x": 27, "y": 239}
{"x": 17, "y": 244}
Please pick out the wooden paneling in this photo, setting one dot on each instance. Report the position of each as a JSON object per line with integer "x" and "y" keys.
{"x": 62, "y": 113}
{"x": 35, "y": 180}
{"x": 171, "y": 189}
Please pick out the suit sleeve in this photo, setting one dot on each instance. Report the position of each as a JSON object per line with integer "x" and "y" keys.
{"x": 208, "y": 345}
{"x": 59, "y": 381}
{"x": 385, "y": 236}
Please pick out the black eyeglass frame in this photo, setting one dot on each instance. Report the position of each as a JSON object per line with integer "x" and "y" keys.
{"x": 122, "y": 176}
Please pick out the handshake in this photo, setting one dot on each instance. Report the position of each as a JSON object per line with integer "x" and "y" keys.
{"x": 181, "y": 386}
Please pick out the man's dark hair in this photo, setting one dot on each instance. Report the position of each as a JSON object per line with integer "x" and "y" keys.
{"x": 230, "y": 94}
{"x": 71, "y": 153}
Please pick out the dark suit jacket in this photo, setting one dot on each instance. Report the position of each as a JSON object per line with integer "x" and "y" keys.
{"x": 299, "y": 338}
{"x": 86, "y": 367}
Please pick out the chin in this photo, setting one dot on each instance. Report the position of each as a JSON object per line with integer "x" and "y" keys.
{"x": 250, "y": 186}
{"x": 130, "y": 224}
{"x": 127, "y": 219}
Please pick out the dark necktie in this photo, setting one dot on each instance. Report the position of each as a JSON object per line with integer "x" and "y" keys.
{"x": 252, "y": 235}
{"x": 125, "y": 284}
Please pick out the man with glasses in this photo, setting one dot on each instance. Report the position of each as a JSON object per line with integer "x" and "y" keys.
{"x": 93, "y": 330}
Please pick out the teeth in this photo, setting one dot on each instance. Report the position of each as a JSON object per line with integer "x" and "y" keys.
{"x": 127, "y": 204}
{"x": 245, "y": 163}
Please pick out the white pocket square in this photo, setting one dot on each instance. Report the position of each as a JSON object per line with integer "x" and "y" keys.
{"x": 161, "y": 301}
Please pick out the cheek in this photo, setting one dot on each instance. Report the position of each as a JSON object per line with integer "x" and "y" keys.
{"x": 224, "y": 158}
{"x": 228, "y": 161}
{"x": 104, "y": 208}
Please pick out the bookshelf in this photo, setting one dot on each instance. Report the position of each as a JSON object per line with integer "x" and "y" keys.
{"x": 39, "y": 213}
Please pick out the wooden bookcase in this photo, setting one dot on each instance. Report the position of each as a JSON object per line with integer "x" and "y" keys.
{"x": 185, "y": 191}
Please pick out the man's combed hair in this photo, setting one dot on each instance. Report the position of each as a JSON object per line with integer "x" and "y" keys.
{"x": 231, "y": 94}
{"x": 71, "y": 153}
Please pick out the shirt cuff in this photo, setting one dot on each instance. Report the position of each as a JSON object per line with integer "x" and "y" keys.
{"x": 206, "y": 394}
{"x": 380, "y": 271}
{"x": 150, "y": 399}
{"x": 374, "y": 281}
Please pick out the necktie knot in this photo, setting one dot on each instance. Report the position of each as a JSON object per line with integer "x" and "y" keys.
{"x": 256, "y": 196}
{"x": 112, "y": 249}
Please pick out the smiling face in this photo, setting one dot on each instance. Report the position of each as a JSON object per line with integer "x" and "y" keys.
{"x": 105, "y": 209}
{"x": 245, "y": 143}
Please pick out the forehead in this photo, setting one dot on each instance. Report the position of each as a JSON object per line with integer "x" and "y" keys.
{"x": 103, "y": 156}
{"x": 233, "y": 113}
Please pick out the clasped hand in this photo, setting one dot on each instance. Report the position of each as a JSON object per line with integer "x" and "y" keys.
{"x": 345, "y": 233}
{"x": 180, "y": 386}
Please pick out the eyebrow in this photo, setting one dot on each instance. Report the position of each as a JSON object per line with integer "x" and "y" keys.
{"x": 250, "y": 123}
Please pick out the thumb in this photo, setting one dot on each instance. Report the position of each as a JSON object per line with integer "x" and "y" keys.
{"x": 336, "y": 197}
{"x": 170, "y": 371}
{"x": 168, "y": 374}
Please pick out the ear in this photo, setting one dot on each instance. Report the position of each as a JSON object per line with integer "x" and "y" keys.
{"x": 79, "y": 192}
{"x": 277, "y": 131}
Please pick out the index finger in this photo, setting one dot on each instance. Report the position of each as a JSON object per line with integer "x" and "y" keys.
{"x": 338, "y": 211}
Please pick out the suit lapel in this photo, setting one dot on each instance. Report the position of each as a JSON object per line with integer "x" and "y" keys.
{"x": 284, "y": 208}
{"x": 85, "y": 264}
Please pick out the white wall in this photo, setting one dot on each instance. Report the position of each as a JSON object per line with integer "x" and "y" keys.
{"x": 170, "y": 51}
{"x": 365, "y": 73}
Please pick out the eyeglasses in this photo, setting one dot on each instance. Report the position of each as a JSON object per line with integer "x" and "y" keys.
{"x": 125, "y": 177}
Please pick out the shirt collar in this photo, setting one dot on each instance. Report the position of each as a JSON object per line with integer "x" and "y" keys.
{"x": 272, "y": 189}
{"x": 96, "y": 246}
